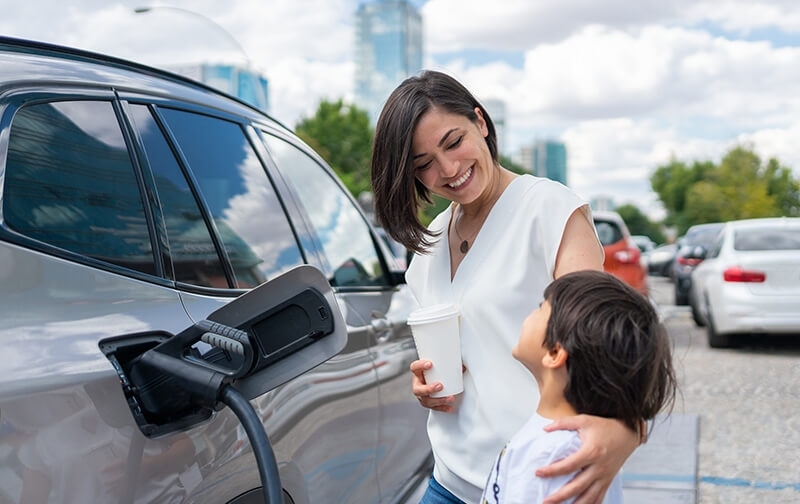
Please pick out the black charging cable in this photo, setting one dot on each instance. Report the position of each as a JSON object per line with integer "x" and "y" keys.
{"x": 167, "y": 381}
{"x": 259, "y": 441}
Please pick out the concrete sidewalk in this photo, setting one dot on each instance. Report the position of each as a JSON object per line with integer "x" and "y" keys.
{"x": 664, "y": 470}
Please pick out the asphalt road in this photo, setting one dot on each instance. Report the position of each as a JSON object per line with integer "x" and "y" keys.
{"x": 748, "y": 403}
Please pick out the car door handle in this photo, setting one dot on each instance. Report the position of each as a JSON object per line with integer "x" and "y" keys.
{"x": 379, "y": 327}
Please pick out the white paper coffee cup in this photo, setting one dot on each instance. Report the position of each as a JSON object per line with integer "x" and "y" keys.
{"x": 437, "y": 336}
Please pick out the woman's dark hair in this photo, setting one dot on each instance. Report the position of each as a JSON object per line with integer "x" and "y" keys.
{"x": 398, "y": 193}
{"x": 619, "y": 358}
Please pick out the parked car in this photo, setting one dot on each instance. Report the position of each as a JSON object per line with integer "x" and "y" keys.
{"x": 691, "y": 251}
{"x": 134, "y": 204}
{"x": 623, "y": 257}
{"x": 661, "y": 259}
{"x": 749, "y": 281}
{"x": 645, "y": 244}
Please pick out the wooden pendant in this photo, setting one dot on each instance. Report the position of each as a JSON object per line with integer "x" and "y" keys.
{"x": 464, "y": 246}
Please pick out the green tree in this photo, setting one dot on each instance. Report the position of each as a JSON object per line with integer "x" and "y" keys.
{"x": 639, "y": 224}
{"x": 672, "y": 183}
{"x": 740, "y": 187}
{"x": 783, "y": 188}
{"x": 507, "y": 162}
{"x": 343, "y": 136}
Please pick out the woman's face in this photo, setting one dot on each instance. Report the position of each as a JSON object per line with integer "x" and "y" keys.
{"x": 451, "y": 157}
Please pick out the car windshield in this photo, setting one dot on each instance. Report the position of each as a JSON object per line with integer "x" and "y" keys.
{"x": 767, "y": 239}
{"x": 607, "y": 232}
{"x": 702, "y": 236}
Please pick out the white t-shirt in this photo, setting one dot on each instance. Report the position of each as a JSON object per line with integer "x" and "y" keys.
{"x": 499, "y": 281}
{"x": 513, "y": 478}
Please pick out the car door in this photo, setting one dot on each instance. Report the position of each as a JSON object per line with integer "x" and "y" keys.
{"x": 219, "y": 201}
{"x": 78, "y": 264}
{"x": 703, "y": 279}
{"x": 376, "y": 306}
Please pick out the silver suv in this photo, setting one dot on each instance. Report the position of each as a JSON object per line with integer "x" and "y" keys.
{"x": 133, "y": 204}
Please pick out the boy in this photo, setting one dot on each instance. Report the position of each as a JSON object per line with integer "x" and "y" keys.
{"x": 595, "y": 346}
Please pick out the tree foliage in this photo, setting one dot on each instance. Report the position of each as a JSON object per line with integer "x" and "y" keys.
{"x": 639, "y": 224}
{"x": 343, "y": 136}
{"x": 739, "y": 187}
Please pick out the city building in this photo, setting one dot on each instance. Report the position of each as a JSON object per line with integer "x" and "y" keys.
{"x": 544, "y": 158}
{"x": 550, "y": 160}
{"x": 497, "y": 111}
{"x": 602, "y": 203}
{"x": 388, "y": 49}
{"x": 235, "y": 80}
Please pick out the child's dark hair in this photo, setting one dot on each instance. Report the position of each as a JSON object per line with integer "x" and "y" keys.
{"x": 619, "y": 358}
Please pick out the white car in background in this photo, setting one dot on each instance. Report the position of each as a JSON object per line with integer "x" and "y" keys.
{"x": 749, "y": 282}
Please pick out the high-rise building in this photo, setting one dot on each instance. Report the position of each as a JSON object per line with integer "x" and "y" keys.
{"x": 497, "y": 111}
{"x": 550, "y": 160}
{"x": 388, "y": 49}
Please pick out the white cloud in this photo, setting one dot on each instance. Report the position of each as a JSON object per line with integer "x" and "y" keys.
{"x": 519, "y": 24}
{"x": 746, "y": 16}
{"x": 625, "y": 84}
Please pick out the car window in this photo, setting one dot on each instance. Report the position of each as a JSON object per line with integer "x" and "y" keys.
{"x": 343, "y": 233}
{"x": 607, "y": 232}
{"x": 701, "y": 236}
{"x": 70, "y": 183}
{"x": 716, "y": 246}
{"x": 194, "y": 256}
{"x": 767, "y": 239}
{"x": 245, "y": 209}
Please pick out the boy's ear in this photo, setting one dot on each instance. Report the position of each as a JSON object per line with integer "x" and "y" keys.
{"x": 555, "y": 357}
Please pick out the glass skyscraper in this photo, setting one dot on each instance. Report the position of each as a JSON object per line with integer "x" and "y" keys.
{"x": 550, "y": 160}
{"x": 388, "y": 49}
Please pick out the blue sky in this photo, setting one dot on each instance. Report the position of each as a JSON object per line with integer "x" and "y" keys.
{"x": 626, "y": 85}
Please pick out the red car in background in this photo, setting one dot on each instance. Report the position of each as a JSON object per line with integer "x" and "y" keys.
{"x": 623, "y": 257}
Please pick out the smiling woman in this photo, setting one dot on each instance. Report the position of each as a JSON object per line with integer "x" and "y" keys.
{"x": 503, "y": 238}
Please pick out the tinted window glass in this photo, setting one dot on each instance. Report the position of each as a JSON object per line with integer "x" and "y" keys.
{"x": 343, "y": 233}
{"x": 767, "y": 239}
{"x": 607, "y": 232}
{"x": 194, "y": 256}
{"x": 246, "y": 211}
{"x": 70, "y": 182}
{"x": 701, "y": 235}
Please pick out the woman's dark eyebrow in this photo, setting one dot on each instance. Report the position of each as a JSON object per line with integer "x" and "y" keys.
{"x": 441, "y": 142}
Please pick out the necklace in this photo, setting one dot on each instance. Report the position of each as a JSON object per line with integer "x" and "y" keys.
{"x": 464, "y": 247}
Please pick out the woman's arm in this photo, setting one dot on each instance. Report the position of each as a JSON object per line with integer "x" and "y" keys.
{"x": 579, "y": 249}
{"x": 606, "y": 443}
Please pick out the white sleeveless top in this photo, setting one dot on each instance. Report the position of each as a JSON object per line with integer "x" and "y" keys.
{"x": 500, "y": 280}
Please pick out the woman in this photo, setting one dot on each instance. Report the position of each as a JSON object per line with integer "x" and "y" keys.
{"x": 502, "y": 234}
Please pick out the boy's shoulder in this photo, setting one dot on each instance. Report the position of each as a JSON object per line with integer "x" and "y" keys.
{"x": 535, "y": 446}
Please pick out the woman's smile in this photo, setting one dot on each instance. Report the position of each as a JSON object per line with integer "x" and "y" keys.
{"x": 460, "y": 181}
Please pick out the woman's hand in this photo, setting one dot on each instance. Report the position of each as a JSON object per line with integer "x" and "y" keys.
{"x": 607, "y": 444}
{"x": 423, "y": 391}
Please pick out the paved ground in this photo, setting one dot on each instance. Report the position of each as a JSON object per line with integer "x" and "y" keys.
{"x": 665, "y": 469}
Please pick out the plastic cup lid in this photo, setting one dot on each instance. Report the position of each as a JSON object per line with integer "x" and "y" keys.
{"x": 433, "y": 313}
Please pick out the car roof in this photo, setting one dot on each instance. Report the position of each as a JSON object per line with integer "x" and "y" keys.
{"x": 766, "y": 221}
{"x": 607, "y": 215}
{"x": 21, "y": 65}
{"x": 703, "y": 227}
